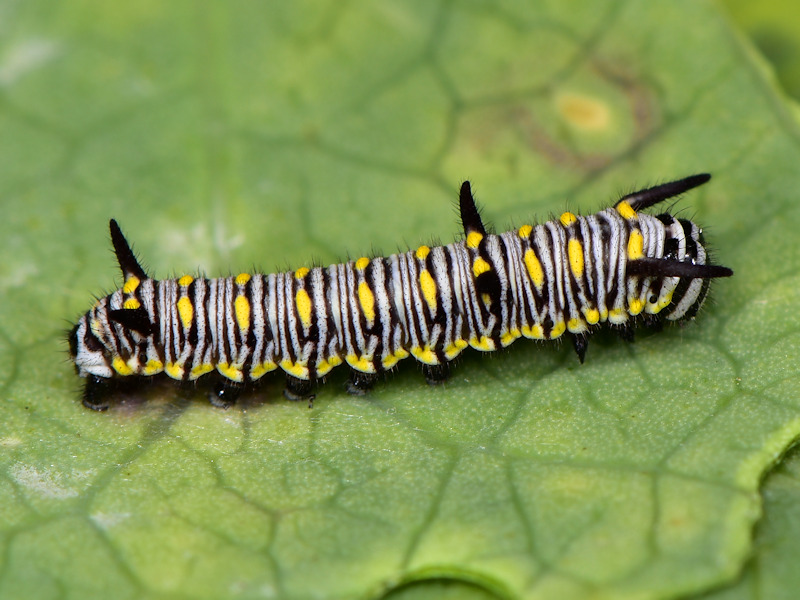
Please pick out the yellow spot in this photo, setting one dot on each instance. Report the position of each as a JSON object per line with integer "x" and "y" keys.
{"x": 635, "y": 306}
{"x": 425, "y": 355}
{"x": 534, "y": 332}
{"x": 241, "y": 307}
{"x": 567, "y": 219}
{"x": 303, "y": 302}
{"x": 130, "y": 285}
{"x": 592, "y": 316}
{"x": 298, "y": 370}
{"x": 185, "y": 311}
{"x": 185, "y": 281}
{"x": 558, "y": 329}
{"x": 121, "y": 367}
{"x": 480, "y": 266}
{"x": 508, "y": 338}
{"x": 576, "y": 326}
{"x": 335, "y": 361}
{"x": 392, "y": 359}
{"x": 626, "y": 210}
{"x": 484, "y": 344}
{"x": 362, "y": 364}
{"x": 133, "y": 363}
{"x": 232, "y": 372}
{"x": 653, "y": 308}
{"x": 174, "y": 370}
{"x": 604, "y": 314}
{"x": 474, "y": 239}
{"x": 487, "y": 299}
{"x": 635, "y": 245}
{"x": 575, "y": 251}
{"x": 584, "y": 112}
{"x": 367, "y": 301}
{"x": 534, "y": 268}
{"x": 200, "y": 370}
{"x": 301, "y": 273}
{"x": 152, "y": 367}
{"x": 131, "y": 304}
{"x": 242, "y": 278}
{"x": 362, "y": 263}
{"x": 389, "y": 361}
{"x": 455, "y": 349}
{"x": 323, "y": 367}
{"x": 428, "y": 286}
{"x": 525, "y": 231}
{"x": 262, "y": 369}
{"x": 96, "y": 328}
{"x": 422, "y": 252}
{"x": 617, "y": 316}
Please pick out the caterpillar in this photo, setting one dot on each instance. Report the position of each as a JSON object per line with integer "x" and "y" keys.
{"x": 618, "y": 267}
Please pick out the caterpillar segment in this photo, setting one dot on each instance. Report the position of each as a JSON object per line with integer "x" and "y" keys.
{"x": 569, "y": 276}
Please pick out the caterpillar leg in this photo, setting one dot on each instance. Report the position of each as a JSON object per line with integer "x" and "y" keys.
{"x": 95, "y": 393}
{"x": 626, "y": 332}
{"x": 580, "y": 342}
{"x": 299, "y": 389}
{"x": 436, "y": 374}
{"x": 360, "y": 383}
{"x": 225, "y": 394}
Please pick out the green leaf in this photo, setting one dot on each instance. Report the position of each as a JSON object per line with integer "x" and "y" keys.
{"x": 224, "y": 136}
{"x": 772, "y": 570}
{"x": 773, "y": 28}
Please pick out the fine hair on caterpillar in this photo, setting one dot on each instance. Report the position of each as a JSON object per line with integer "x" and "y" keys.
{"x": 569, "y": 276}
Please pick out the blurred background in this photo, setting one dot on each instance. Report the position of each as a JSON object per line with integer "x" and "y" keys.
{"x": 774, "y": 28}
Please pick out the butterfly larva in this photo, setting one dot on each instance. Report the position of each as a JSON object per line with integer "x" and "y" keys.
{"x": 569, "y": 275}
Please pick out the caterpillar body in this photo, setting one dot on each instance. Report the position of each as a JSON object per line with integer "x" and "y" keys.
{"x": 571, "y": 275}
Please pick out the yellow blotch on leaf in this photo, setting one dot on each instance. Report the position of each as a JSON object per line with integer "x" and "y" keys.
{"x": 584, "y": 112}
